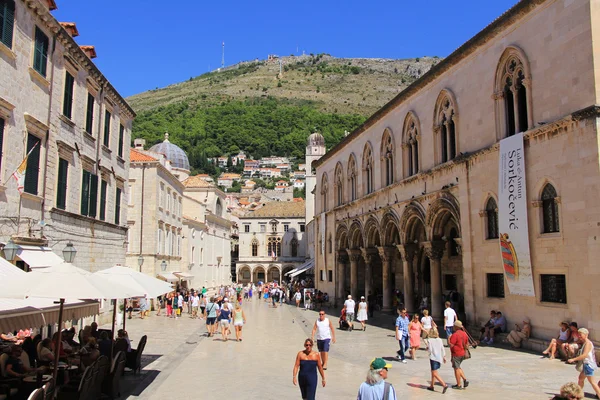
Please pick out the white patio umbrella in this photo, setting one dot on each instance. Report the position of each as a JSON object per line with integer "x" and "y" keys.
{"x": 64, "y": 281}
{"x": 135, "y": 280}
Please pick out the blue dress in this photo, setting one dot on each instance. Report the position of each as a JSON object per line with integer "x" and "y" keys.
{"x": 307, "y": 379}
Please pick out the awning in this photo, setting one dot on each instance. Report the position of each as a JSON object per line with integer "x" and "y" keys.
{"x": 292, "y": 271}
{"x": 309, "y": 265}
{"x": 184, "y": 275}
{"x": 167, "y": 276}
{"x": 38, "y": 257}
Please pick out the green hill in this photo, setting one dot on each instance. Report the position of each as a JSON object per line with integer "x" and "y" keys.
{"x": 254, "y": 107}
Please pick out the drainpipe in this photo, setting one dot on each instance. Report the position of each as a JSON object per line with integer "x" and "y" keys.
{"x": 142, "y": 212}
{"x": 42, "y": 211}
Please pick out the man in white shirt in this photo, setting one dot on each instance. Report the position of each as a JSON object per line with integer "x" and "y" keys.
{"x": 195, "y": 304}
{"x": 449, "y": 318}
{"x": 325, "y": 334}
{"x": 350, "y": 305}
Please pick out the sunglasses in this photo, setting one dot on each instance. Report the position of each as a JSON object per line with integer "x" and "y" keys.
{"x": 321, "y": 314}
{"x": 307, "y": 345}
{"x": 385, "y": 368}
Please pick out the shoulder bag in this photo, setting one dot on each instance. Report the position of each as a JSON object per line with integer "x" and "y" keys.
{"x": 466, "y": 348}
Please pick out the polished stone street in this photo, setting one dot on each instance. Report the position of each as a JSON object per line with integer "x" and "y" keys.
{"x": 181, "y": 361}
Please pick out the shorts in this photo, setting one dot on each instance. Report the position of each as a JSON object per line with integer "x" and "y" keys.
{"x": 349, "y": 317}
{"x": 323, "y": 345}
{"x": 588, "y": 370}
{"x": 195, "y": 309}
{"x": 449, "y": 331}
{"x": 202, "y": 309}
{"x": 435, "y": 365}
{"x": 497, "y": 330}
{"x": 224, "y": 323}
{"x": 211, "y": 320}
{"x": 240, "y": 323}
{"x": 456, "y": 361}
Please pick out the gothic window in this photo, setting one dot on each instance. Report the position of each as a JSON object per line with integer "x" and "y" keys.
{"x": 339, "y": 184}
{"x": 352, "y": 178}
{"x": 491, "y": 212}
{"x": 324, "y": 189}
{"x": 387, "y": 157}
{"x": 445, "y": 126}
{"x": 294, "y": 247}
{"x": 513, "y": 102}
{"x": 219, "y": 208}
{"x": 254, "y": 248}
{"x": 411, "y": 145}
{"x": 550, "y": 209}
{"x": 368, "y": 168}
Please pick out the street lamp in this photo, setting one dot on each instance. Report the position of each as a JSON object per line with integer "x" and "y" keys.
{"x": 10, "y": 250}
{"x": 163, "y": 265}
{"x": 69, "y": 252}
{"x": 140, "y": 262}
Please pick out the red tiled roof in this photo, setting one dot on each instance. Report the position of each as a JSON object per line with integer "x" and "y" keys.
{"x": 136, "y": 156}
{"x": 71, "y": 28}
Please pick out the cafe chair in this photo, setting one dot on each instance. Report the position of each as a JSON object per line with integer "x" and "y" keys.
{"x": 49, "y": 388}
{"x": 101, "y": 365}
{"x": 112, "y": 383}
{"x": 83, "y": 391}
{"x": 37, "y": 394}
{"x": 134, "y": 358}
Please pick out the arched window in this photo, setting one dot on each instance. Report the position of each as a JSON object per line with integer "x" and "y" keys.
{"x": 294, "y": 247}
{"x": 219, "y": 208}
{"x": 324, "y": 189}
{"x": 410, "y": 144}
{"x": 254, "y": 248}
{"x": 352, "y": 178}
{"x": 368, "y": 168}
{"x": 491, "y": 212}
{"x": 339, "y": 184}
{"x": 453, "y": 251}
{"x": 387, "y": 157}
{"x": 513, "y": 98}
{"x": 445, "y": 126}
{"x": 274, "y": 247}
{"x": 550, "y": 209}
{"x": 193, "y": 255}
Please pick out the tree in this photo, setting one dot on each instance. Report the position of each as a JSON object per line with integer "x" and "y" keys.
{"x": 229, "y": 163}
{"x": 300, "y": 193}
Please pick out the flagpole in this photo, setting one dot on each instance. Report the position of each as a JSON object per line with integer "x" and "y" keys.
{"x": 16, "y": 169}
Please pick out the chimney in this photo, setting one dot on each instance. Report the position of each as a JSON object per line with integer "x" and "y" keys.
{"x": 139, "y": 144}
{"x": 89, "y": 51}
{"x": 71, "y": 28}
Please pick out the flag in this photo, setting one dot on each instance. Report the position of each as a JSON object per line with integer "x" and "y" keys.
{"x": 19, "y": 173}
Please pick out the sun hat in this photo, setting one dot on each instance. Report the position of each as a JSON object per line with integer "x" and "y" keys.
{"x": 458, "y": 324}
{"x": 379, "y": 363}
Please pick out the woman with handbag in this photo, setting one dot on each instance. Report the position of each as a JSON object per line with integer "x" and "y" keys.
{"x": 586, "y": 361}
{"x": 459, "y": 349}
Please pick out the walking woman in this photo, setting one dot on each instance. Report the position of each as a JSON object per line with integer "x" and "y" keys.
{"x": 437, "y": 355}
{"x": 414, "y": 330}
{"x": 427, "y": 323}
{"x": 305, "y": 371}
{"x": 239, "y": 319}
{"x": 170, "y": 305}
{"x": 224, "y": 317}
{"x": 363, "y": 313}
{"x": 588, "y": 358}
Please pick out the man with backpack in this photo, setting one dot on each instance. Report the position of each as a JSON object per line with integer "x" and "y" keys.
{"x": 375, "y": 386}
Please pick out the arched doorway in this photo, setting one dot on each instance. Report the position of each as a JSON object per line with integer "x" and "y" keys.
{"x": 413, "y": 236}
{"x": 342, "y": 280}
{"x": 244, "y": 274}
{"x": 372, "y": 271}
{"x": 259, "y": 274}
{"x": 393, "y": 283}
{"x": 273, "y": 274}
{"x": 355, "y": 244}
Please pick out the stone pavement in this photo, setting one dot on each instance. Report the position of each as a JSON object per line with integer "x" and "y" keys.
{"x": 180, "y": 360}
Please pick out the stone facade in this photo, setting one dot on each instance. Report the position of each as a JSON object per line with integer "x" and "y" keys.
{"x": 410, "y": 196}
{"x": 34, "y": 112}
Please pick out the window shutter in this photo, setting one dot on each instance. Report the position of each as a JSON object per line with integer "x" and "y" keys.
{"x": 103, "y": 187}
{"x": 61, "y": 194}
{"x": 85, "y": 193}
{"x": 1, "y": 139}
{"x": 7, "y": 21}
{"x": 40, "y": 57}
{"x": 106, "y": 128}
{"x": 121, "y": 134}
{"x": 118, "y": 207}
{"x": 33, "y": 165}
{"x": 89, "y": 117}
{"x": 93, "y": 195}
{"x": 68, "y": 95}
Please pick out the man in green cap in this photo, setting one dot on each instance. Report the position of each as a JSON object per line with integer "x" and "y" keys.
{"x": 375, "y": 387}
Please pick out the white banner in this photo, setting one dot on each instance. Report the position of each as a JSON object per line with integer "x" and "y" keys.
{"x": 322, "y": 229}
{"x": 512, "y": 217}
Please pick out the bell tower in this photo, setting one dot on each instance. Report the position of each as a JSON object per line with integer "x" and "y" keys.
{"x": 315, "y": 149}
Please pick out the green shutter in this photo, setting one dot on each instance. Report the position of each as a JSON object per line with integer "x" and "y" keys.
{"x": 68, "y": 96}
{"x": 93, "y": 195}
{"x": 118, "y": 207}
{"x": 7, "y": 22}
{"x": 40, "y": 56}
{"x": 85, "y": 193}
{"x": 61, "y": 193}
{"x": 33, "y": 165}
{"x": 121, "y": 134}
{"x": 89, "y": 117}
{"x": 103, "y": 186}
{"x": 1, "y": 140}
{"x": 106, "y": 128}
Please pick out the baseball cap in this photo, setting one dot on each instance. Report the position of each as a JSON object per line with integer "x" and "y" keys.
{"x": 225, "y": 299}
{"x": 380, "y": 363}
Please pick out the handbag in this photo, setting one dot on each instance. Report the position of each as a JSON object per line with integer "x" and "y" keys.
{"x": 467, "y": 352}
{"x": 579, "y": 363}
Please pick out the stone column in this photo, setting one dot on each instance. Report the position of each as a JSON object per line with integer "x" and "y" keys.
{"x": 354, "y": 255}
{"x": 408, "y": 254}
{"x": 434, "y": 250}
{"x": 342, "y": 260}
{"x": 368, "y": 255}
{"x": 387, "y": 254}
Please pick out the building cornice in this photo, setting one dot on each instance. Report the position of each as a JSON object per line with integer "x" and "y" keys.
{"x": 510, "y": 17}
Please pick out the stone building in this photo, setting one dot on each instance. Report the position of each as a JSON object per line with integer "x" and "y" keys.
{"x": 57, "y": 106}
{"x": 271, "y": 241}
{"x": 410, "y": 198}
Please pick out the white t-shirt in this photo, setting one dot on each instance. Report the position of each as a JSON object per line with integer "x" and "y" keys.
{"x": 323, "y": 329}
{"x": 450, "y": 315}
{"x": 195, "y": 301}
{"x": 349, "y": 304}
{"x": 426, "y": 321}
{"x": 298, "y": 296}
{"x": 436, "y": 350}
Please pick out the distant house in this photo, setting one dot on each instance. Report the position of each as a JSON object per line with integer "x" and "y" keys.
{"x": 299, "y": 174}
{"x": 226, "y": 180}
{"x": 302, "y": 167}
{"x": 298, "y": 184}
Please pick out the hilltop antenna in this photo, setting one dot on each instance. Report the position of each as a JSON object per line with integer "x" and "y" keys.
{"x": 223, "y": 57}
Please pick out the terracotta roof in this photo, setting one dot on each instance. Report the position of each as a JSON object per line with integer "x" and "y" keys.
{"x": 136, "y": 156}
{"x": 280, "y": 209}
{"x": 197, "y": 181}
{"x": 89, "y": 51}
{"x": 71, "y": 28}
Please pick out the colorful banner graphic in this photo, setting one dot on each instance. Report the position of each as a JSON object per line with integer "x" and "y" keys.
{"x": 512, "y": 217}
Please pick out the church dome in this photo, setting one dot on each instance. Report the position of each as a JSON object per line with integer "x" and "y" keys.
{"x": 173, "y": 153}
{"x": 316, "y": 139}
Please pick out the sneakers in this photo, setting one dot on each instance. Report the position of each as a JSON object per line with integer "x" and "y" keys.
{"x": 398, "y": 356}
{"x": 403, "y": 361}
{"x": 491, "y": 341}
{"x": 457, "y": 387}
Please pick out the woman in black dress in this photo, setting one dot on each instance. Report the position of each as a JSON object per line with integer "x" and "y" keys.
{"x": 305, "y": 370}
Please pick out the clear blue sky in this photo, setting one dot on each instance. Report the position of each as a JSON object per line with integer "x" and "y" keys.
{"x": 146, "y": 44}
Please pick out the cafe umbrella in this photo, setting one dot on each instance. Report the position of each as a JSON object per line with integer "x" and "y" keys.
{"x": 64, "y": 281}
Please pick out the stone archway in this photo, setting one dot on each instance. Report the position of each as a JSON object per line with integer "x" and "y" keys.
{"x": 244, "y": 274}
{"x": 342, "y": 280}
{"x": 259, "y": 274}
{"x": 371, "y": 273}
{"x": 390, "y": 260}
{"x": 273, "y": 274}
{"x": 355, "y": 244}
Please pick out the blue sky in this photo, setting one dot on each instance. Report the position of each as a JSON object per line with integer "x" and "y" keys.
{"x": 143, "y": 45}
